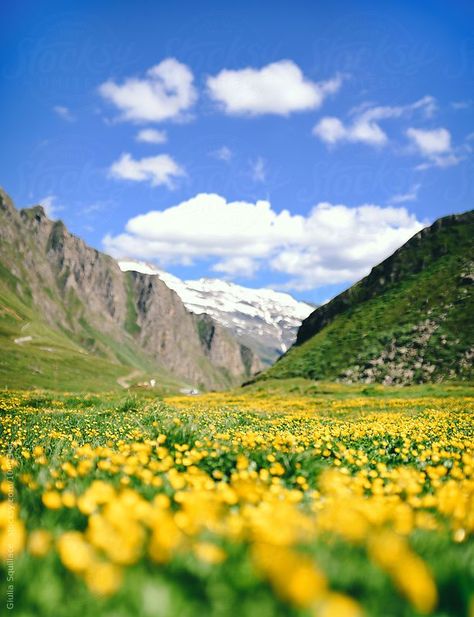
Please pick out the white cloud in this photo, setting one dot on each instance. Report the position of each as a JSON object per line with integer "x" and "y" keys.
{"x": 50, "y": 206}
{"x": 365, "y": 126}
{"x": 151, "y": 136}
{"x": 430, "y": 142}
{"x": 330, "y": 130}
{"x": 278, "y": 88}
{"x": 447, "y": 160}
{"x": 237, "y": 266}
{"x": 164, "y": 93}
{"x": 435, "y": 145}
{"x": 332, "y": 244}
{"x": 259, "y": 171}
{"x": 411, "y": 195}
{"x": 156, "y": 170}
{"x": 64, "y": 113}
{"x": 223, "y": 154}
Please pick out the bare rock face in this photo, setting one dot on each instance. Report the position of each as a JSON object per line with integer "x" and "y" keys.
{"x": 220, "y": 348}
{"x": 78, "y": 289}
{"x": 167, "y": 331}
{"x": 87, "y": 283}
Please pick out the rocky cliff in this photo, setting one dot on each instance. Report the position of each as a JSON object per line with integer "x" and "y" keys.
{"x": 128, "y": 318}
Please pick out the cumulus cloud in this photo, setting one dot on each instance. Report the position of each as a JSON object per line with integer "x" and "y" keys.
{"x": 436, "y": 141}
{"x": 64, "y": 113}
{"x": 331, "y": 244}
{"x": 151, "y": 136}
{"x": 157, "y": 170}
{"x": 278, "y": 88}
{"x": 165, "y": 93}
{"x": 435, "y": 145}
{"x": 365, "y": 125}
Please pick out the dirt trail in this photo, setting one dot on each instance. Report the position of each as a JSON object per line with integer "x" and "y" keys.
{"x": 23, "y": 339}
{"x": 124, "y": 381}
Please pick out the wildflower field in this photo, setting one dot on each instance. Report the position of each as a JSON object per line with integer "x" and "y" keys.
{"x": 241, "y": 504}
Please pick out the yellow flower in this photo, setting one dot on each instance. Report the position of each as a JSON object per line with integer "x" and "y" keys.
{"x": 103, "y": 579}
{"x": 8, "y": 511}
{"x": 38, "y": 451}
{"x": 75, "y": 553}
{"x": 68, "y": 499}
{"x": 52, "y": 500}
{"x": 242, "y": 462}
{"x": 294, "y": 577}
{"x": 206, "y": 551}
{"x": 277, "y": 469}
{"x": 165, "y": 538}
{"x": 39, "y": 542}
{"x": 415, "y": 581}
{"x": 409, "y": 572}
{"x": 339, "y": 605}
{"x": 12, "y": 539}
{"x": 6, "y": 487}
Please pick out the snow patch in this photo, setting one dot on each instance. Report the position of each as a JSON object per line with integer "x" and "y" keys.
{"x": 270, "y": 317}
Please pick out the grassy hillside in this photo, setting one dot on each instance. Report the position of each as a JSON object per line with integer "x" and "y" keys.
{"x": 37, "y": 356}
{"x": 409, "y": 321}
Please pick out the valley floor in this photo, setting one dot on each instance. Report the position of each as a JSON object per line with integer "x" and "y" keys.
{"x": 288, "y": 498}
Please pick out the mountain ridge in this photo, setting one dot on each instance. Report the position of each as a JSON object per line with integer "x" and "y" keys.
{"x": 54, "y": 281}
{"x": 262, "y": 319}
{"x": 409, "y": 320}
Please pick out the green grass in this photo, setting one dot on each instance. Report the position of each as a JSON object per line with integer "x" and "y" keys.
{"x": 131, "y": 325}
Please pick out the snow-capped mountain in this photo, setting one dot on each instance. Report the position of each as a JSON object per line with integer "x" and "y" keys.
{"x": 263, "y": 319}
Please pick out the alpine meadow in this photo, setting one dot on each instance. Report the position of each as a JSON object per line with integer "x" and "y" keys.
{"x": 236, "y": 309}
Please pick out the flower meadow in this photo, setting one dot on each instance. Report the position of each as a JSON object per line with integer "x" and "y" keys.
{"x": 236, "y": 504}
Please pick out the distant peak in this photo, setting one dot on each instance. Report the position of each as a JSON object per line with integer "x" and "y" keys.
{"x": 262, "y": 318}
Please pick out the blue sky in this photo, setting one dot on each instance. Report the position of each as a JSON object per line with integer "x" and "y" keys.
{"x": 282, "y": 144}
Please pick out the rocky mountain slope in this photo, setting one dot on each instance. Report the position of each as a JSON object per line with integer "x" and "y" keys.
{"x": 409, "y": 321}
{"x": 264, "y": 320}
{"x": 67, "y": 308}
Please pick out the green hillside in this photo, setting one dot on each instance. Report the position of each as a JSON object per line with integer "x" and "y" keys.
{"x": 409, "y": 321}
{"x": 36, "y": 355}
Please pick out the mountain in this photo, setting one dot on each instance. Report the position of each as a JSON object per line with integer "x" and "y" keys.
{"x": 264, "y": 320}
{"x": 409, "y": 321}
{"x": 69, "y": 316}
